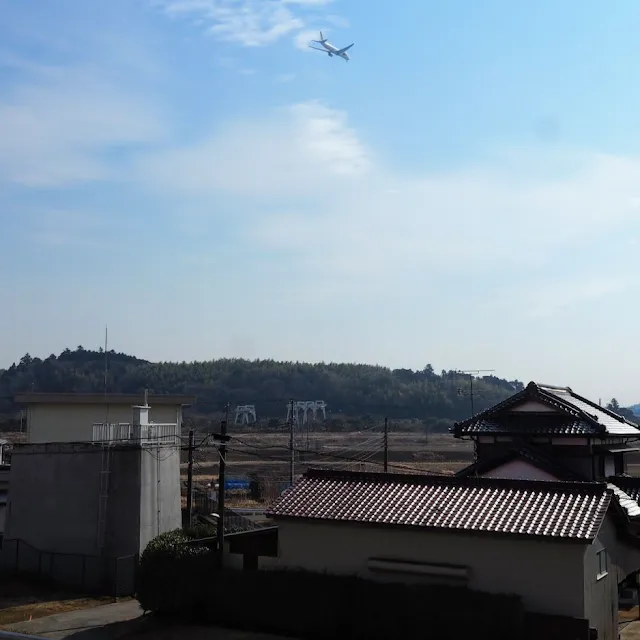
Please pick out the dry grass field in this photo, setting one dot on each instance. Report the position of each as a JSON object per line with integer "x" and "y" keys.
{"x": 266, "y": 455}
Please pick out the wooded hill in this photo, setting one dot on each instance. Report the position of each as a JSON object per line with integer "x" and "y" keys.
{"x": 354, "y": 393}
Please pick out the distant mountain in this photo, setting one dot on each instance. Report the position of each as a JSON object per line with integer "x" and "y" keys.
{"x": 635, "y": 408}
{"x": 354, "y": 393}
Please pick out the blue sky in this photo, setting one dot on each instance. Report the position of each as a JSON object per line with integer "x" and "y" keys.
{"x": 464, "y": 192}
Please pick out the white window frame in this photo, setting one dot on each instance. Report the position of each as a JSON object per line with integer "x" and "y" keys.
{"x": 603, "y": 569}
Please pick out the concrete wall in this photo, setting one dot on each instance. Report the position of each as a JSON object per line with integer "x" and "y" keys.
{"x": 548, "y": 575}
{"x": 53, "y": 497}
{"x": 160, "y": 509}
{"x": 54, "y": 492}
{"x": 74, "y": 422}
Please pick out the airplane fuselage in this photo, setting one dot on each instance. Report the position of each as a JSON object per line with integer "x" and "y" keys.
{"x": 334, "y": 51}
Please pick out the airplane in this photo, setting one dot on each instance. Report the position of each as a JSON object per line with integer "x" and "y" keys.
{"x": 330, "y": 49}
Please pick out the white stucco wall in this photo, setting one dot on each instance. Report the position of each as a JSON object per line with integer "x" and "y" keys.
{"x": 74, "y": 422}
{"x": 548, "y": 575}
{"x": 532, "y": 406}
{"x": 520, "y": 469}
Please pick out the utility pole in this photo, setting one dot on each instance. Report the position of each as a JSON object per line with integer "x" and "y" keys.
{"x": 471, "y": 373}
{"x": 386, "y": 445}
{"x": 292, "y": 457}
{"x": 191, "y": 449}
{"x": 222, "y": 452}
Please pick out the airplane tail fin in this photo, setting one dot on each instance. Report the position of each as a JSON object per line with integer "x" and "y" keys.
{"x": 322, "y": 38}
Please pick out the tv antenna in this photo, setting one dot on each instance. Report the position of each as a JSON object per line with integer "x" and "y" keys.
{"x": 471, "y": 373}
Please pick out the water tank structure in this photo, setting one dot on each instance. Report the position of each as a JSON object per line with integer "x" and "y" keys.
{"x": 102, "y": 501}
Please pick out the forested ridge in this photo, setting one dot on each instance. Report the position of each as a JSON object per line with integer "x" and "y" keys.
{"x": 354, "y": 393}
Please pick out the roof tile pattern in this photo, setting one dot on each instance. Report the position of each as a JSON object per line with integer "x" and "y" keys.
{"x": 530, "y": 425}
{"x": 565, "y": 510}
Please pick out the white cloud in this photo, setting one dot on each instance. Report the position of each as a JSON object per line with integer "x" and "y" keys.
{"x": 252, "y": 23}
{"x": 306, "y": 147}
{"x": 313, "y": 181}
{"x": 55, "y": 126}
{"x": 285, "y": 77}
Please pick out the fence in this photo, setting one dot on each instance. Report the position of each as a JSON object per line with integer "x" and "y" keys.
{"x": 122, "y": 433}
{"x": 88, "y": 574}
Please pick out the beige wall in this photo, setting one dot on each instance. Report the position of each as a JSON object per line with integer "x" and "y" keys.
{"x": 518, "y": 469}
{"x": 548, "y": 576}
{"x": 74, "y": 422}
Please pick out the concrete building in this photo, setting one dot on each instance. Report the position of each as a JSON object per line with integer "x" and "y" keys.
{"x": 82, "y": 506}
{"x": 69, "y": 417}
{"x": 4, "y": 485}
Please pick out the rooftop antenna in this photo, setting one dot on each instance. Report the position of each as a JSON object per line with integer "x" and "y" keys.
{"x": 106, "y": 357}
{"x": 471, "y": 373}
{"x": 106, "y": 372}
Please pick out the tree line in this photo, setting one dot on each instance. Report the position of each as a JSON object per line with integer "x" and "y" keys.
{"x": 354, "y": 393}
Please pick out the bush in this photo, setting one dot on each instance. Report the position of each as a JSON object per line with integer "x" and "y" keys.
{"x": 167, "y": 566}
{"x": 200, "y": 530}
{"x": 183, "y": 580}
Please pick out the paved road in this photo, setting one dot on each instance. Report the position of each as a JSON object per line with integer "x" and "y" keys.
{"x": 109, "y": 621}
{"x": 113, "y": 621}
{"x": 630, "y": 631}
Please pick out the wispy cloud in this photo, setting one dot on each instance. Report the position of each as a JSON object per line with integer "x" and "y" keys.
{"x": 252, "y": 23}
{"x": 285, "y": 77}
{"x": 63, "y": 228}
{"x": 375, "y": 230}
{"x": 305, "y": 147}
{"x": 55, "y": 127}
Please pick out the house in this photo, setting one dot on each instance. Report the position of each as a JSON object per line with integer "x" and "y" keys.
{"x": 546, "y": 511}
{"x": 551, "y": 433}
{"x": 69, "y": 417}
{"x": 584, "y": 438}
{"x": 545, "y": 541}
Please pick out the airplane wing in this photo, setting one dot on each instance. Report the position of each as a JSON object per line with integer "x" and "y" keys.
{"x": 318, "y": 49}
{"x": 345, "y": 48}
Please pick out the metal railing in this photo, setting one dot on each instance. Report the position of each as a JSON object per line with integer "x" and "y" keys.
{"x": 154, "y": 433}
{"x": 86, "y": 573}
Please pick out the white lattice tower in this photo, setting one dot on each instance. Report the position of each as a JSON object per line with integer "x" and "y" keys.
{"x": 245, "y": 414}
{"x": 305, "y": 407}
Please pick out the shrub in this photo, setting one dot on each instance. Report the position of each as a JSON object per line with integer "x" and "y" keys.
{"x": 166, "y": 571}
{"x": 200, "y": 530}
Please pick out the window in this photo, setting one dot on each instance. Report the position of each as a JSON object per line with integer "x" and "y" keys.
{"x": 601, "y": 558}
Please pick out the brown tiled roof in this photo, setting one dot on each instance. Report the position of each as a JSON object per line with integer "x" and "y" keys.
{"x": 574, "y": 415}
{"x": 561, "y": 510}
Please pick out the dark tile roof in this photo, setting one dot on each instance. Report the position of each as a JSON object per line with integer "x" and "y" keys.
{"x": 528, "y": 454}
{"x": 629, "y": 484}
{"x": 574, "y": 415}
{"x": 529, "y": 425}
{"x": 559, "y": 510}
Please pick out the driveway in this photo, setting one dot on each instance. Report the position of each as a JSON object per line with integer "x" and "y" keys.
{"x": 108, "y": 621}
{"x": 124, "y": 619}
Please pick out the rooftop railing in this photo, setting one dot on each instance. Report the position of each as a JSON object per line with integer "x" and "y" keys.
{"x": 126, "y": 433}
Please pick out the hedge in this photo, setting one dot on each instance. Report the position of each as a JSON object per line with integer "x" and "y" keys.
{"x": 182, "y": 580}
